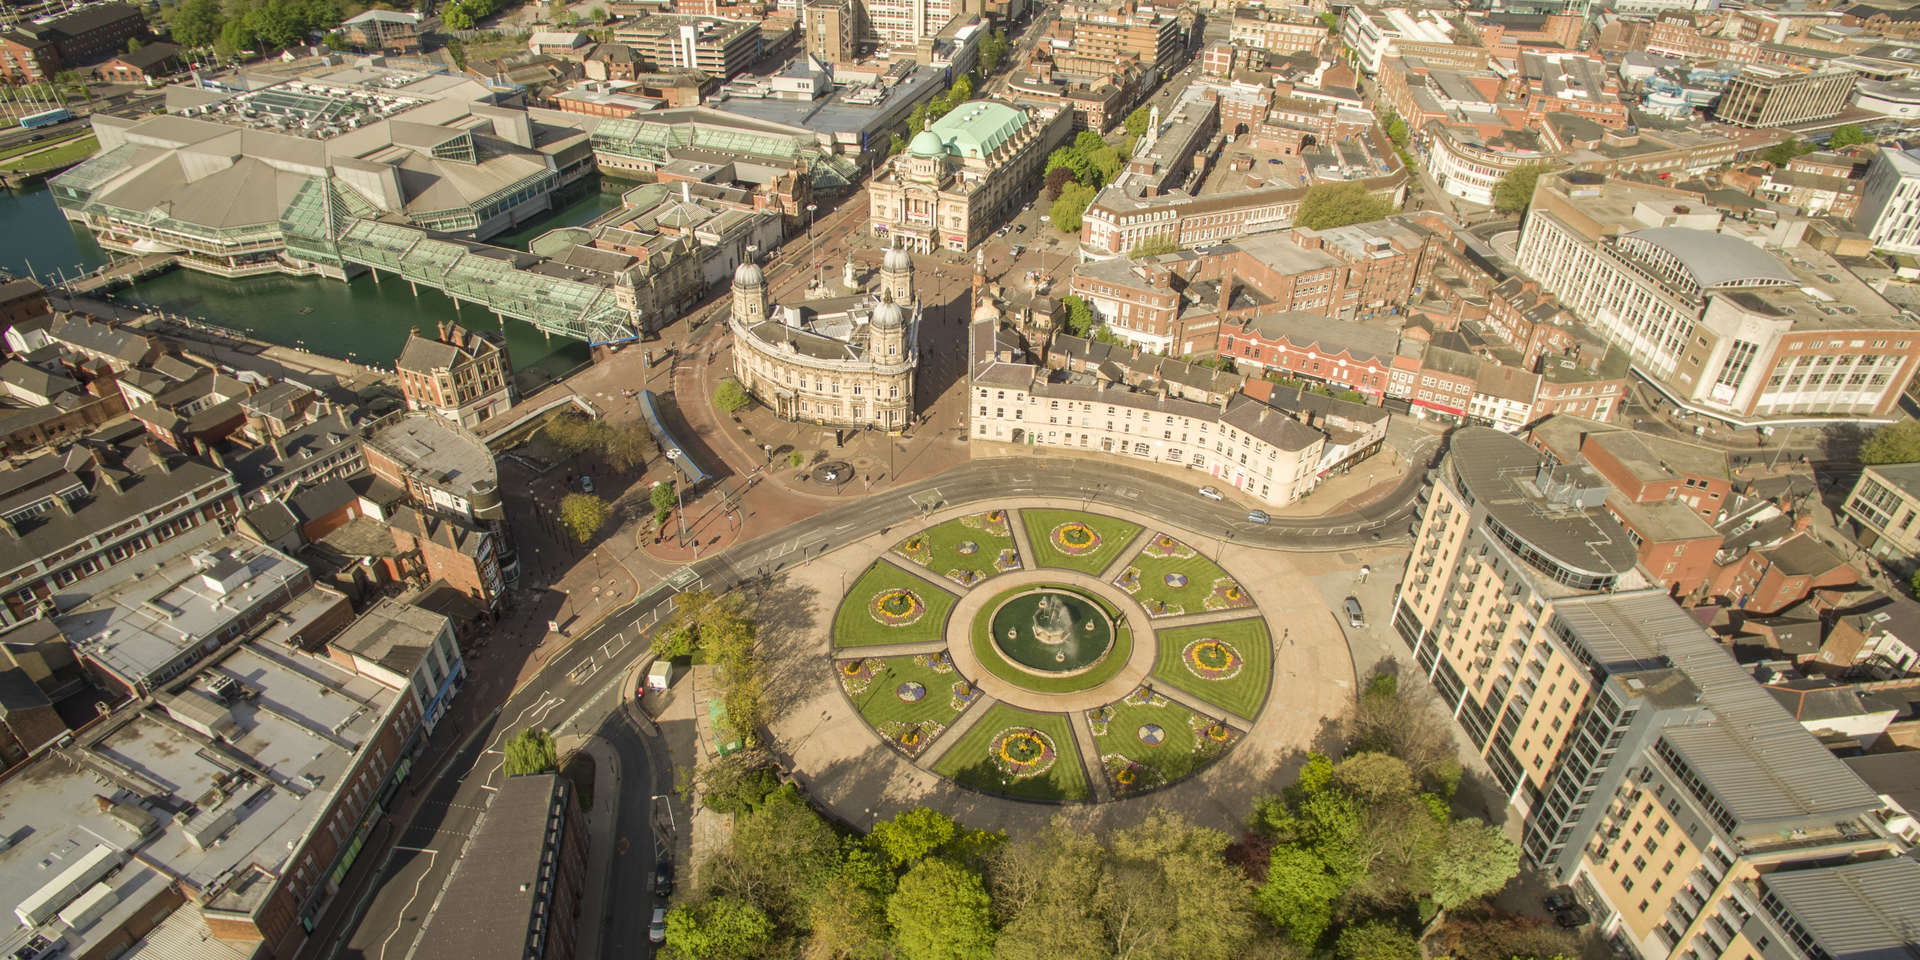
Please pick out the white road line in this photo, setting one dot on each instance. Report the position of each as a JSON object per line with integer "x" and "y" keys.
{"x": 431, "y": 855}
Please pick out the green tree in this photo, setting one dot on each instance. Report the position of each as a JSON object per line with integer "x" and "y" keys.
{"x": 1107, "y": 164}
{"x": 724, "y": 928}
{"x": 1515, "y": 190}
{"x": 675, "y": 643}
{"x": 961, "y": 91}
{"x": 730, "y": 396}
{"x": 1183, "y": 883}
{"x": 1046, "y": 893}
{"x": 917, "y": 120}
{"x": 1329, "y": 205}
{"x": 1066, "y": 212}
{"x": 1136, "y": 122}
{"x": 1375, "y": 940}
{"x": 794, "y": 459}
{"x": 133, "y": 44}
{"x": 1892, "y": 443}
{"x": 197, "y": 23}
{"x": 1079, "y": 315}
{"x": 1298, "y": 894}
{"x": 848, "y": 920}
{"x": 993, "y": 49}
{"x": 598, "y": 15}
{"x": 1057, "y": 180}
{"x": 1074, "y": 160}
{"x": 895, "y": 145}
{"x": 662, "y": 496}
{"x": 1154, "y": 246}
{"x": 1847, "y": 136}
{"x": 1781, "y": 154}
{"x": 456, "y": 16}
{"x": 1332, "y": 22}
{"x": 583, "y": 514}
{"x": 529, "y": 751}
{"x": 1396, "y": 128}
{"x": 781, "y": 851}
{"x": 912, "y": 835}
{"x": 940, "y": 912}
{"x": 1474, "y": 860}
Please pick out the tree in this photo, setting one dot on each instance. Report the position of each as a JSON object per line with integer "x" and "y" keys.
{"x": 912, "y": 835}
{"x": 133, "y": 44}
{"x": 1079, "y": 315}
{"x": 1847, "y": 136}
{"x": 1892, "y": 443}
{"x": 1329, "y": 205}
{"x": 598, "y": 15}
{"x": 1136, "y": 122}
{"x": 583, "y": 514}
{"x": 1154, "y": 246}
{"x": 675, "y": 643}
{"x": 1474, "y": 860}
{"x": 730, "y": 396}
{"x": 724, "y": 928}
{"x": 197, "y": 23}
{"x": 530, "y": 751}
{"x": 848, "y": 920}
{"x": 662, "y": 496}
{"x": 456, "y": 16}
{"x": 1297, "y": 895}
{"x": 1515, "y": 190}
{"x": 993, "y": 49}
{"x": 1066, "y": 212}
{"x": 1396, "y": 128}
{"x": 1781, "y": 154}
{"x": 939, "y": 912}
{"x": 897, "y": 144}
{"x": 1375, "y": 940}
{"x": 1057, "y": 180}
{"x": 1202, "y": 901}
{"x": 1046, "y": 890}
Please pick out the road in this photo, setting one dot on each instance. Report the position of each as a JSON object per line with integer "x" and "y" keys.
{"x": 581, "y": 689}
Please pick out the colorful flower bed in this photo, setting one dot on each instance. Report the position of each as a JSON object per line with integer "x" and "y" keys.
{"x": 1007, "y": 561}
{"x": 965, "y": 578}
{"x": 1099, "y": 719}
{"x": 1128, "y": 580}
{"x": 1175, "y": 580}
{"x": 1227, "y": 595}
{"x": 918, "y": 549}
{"x": 911, "y": 738}
{"x": 967, "y": 548}
{"x": 1022, "y": 752}
{"x": 993, "y": 522}
{"x": 1143, "y": 696}
{"x": 897, "y": 607}
{"x": 1167, "y": 547}
{"x": 1212, "y": 659}
{"x": 938, "y": 662}
{"x": 1161, "y": 608}
{"x": 1210, "y": 736}
{"x": 857, "y": 675}
{"x": 1151, "y": 734}
{"x": 964, "y": 693}
{"x": 1129, "y": 776}
{"x": 1075, "y": 539}
{"x": 910, "y": 692}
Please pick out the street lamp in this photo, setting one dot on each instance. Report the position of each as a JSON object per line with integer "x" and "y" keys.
{"x": 812, "y": 259}
{"x": 680, "y": 508}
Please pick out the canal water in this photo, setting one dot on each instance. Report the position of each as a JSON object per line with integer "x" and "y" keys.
{"x": 360, "y": 320}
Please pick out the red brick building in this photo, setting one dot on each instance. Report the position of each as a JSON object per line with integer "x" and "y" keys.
{"x": 143, "y": 66}
{"x": 32, "y": 52}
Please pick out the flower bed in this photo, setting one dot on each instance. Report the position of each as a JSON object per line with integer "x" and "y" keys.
{"x": 1161, "y": 608}
{"x": 1211, "y": 736}
{"x": 1075, "y": 539}
{"x": 993, "y": 523}
{"x": 1227, "y": 595}
{"x": 911, "y": 738}
{"x": 1212, "y": 659}
{"x": 1129, "y": 776}
{"x": 1143, "y": 696}
{"x": 965, "y": 578}
{"x": 1128, "y": 580}
{"x": 938, "y": 662}
{"x": 963, "y": 694}
{"x": 1098, "y": 719}
{"x": 918, "y": 549}
{"x": 1022, "y": 752}
{"x": 910, "y": 692}
{"x": 1167, "y": 547}
{"x": 897, "y": 607}
{"x": 1007, "y": 561}
{"x": 857, "y": 675}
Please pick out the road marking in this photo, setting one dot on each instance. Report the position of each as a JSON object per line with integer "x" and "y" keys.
{"x": 422, "y": 878}
{"x": 617, "y": 644}
{"x": 584, "y": 671}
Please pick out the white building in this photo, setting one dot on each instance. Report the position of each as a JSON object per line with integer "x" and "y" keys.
{"x": 1375, "y": 35}
{"x": 1890, "y": 98}
{"x": 1890, "y": 201}
{"x": 1469, "y": 166}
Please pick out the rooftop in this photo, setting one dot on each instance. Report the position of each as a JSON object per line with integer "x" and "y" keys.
{"x": 495, "y": 903}
{"x": 1502, "y": 473}
{"x": 1859, "y": 911}
{"x": 392, "y": 634}
{"x": 447, "y": 455}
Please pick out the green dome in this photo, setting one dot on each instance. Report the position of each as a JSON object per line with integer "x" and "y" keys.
{"x": 926, "y": 143}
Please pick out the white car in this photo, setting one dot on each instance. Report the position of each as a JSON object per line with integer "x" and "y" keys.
{"x": 586, "y": 483}
{"x": 657, "y": 930}
{"x": 1212, "y": 494}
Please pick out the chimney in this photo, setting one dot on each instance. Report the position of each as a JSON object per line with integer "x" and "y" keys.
{"x": 1226, "y": 291}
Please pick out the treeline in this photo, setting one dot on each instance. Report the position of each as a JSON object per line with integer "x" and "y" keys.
{"x": 1354, "y": 860}
{"x": 1076, "y": 172}
{"x": 234, "y": 25}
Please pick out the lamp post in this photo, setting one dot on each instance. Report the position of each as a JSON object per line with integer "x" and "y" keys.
{"x": 680, "y": 509}
{"x": 812, "y": 260}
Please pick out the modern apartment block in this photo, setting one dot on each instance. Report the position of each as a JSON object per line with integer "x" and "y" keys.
{"x": 1377, "y": 35}
{"x": 463, "y": 375}
{"x": 1890, "y": 201}
{"x": 1742, "y": 322}
{"x": 1654, "y": 776}
{"x": 1770, "y": 96}
{"x": 721, "y": 48}
{"x": 1884, "y": 506}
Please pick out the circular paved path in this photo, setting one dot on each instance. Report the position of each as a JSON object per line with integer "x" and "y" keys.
{"x": 974, "y": 602}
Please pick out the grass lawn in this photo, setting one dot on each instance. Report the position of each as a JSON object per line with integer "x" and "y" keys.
{"x": 60, "y": 155}
{"x": 998, "y": 665}
{"x": 938, "y": 549}
{"x": 970, "y": 760}
{"x": 1241, "y": 694}
{"x": 1114, "y": 535}
{"x": 854, "y": 625}
{"x": 873, "y": 684}
{"x": 1164, "y": 555}
{"x": 1180, "y": 753}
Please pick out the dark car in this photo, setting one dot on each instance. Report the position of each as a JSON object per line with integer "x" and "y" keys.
{"x": 1559, "y": 900}
{"x": 1574, "y": 916}
{"x": 663, "y": 879}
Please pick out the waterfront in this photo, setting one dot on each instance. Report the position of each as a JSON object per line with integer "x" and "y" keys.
{"x": 362, "y": 320}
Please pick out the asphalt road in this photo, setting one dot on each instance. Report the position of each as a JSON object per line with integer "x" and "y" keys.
{"x": 582, "y": 688}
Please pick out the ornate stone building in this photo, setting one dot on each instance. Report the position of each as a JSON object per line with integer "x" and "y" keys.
{"x": 964, "y": 174}
{"x": 846, "y": 359}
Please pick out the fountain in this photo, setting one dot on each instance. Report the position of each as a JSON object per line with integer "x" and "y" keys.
{"x": 1051, "y": 631}
{"x": 1052, "y": 621}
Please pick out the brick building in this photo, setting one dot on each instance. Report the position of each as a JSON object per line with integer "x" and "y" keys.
{"x": 34, "y": 52}
{"x": 465, "y": 376}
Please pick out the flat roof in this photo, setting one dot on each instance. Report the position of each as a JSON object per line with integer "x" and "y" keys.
{"x": 1499, "y": 470}
{"x": 451, "y": 457}
{"x": 392, "y": 634}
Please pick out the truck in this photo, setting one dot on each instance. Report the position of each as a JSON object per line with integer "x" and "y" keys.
{"x": 46, "y": 118}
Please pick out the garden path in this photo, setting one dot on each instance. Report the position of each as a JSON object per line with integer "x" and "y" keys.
{"x": 1090, "y": 756}
{"x": 1017, "y": 525}
{"x": 1205, "y": 616}
{"x": 950, "y": 736}
{"x": 1125, "y": 556}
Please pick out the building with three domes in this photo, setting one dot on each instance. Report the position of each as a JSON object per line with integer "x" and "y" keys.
{"x": 845, "y": 358}
{"x": 964, "y": 175}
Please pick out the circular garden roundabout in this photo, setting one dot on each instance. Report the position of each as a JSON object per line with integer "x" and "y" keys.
{"x": 1052, "y": 655}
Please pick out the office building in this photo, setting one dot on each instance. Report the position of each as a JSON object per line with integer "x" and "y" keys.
{"x": 1884, "y": 506}
{"x": 904, "y": 22}
{"x": 1091, "y": 41}
{"x": 393, "y": 31}
{"x": 1654, "y": 776}
{"x": 1378, "y": 35}
{"x": 844, "y": 359}
{"x": 446, "y": 469}
{"x": 1770, "y": 96}
{"x": 1738, "y": 320}
{"x": 720, "y": 48}
{"x": 964, "y": 175}
{"x": 1277, "y": 33}
{"x": 516, "y": 892}
{"x": 1890, "y": 201}
{"x": 831, "y": 29}
{"x": 463, "y": 375}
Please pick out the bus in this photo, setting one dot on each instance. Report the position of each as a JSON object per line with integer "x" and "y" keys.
{"x": 46, "y": 118}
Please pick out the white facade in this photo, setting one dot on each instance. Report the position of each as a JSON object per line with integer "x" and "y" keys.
{"x": 907, "y": 21}
{"x": 1892, "y": 98}
{"x": 1374, "y": 35}
{"x": 1890, "y": 201}
{"x": 1467, "y": 170}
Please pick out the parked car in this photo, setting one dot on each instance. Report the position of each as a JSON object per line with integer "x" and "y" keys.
{"x": 1559, "y": 900}
{"x": 657, "y": 930}
{"x": 586, "y": 483}
{"x": 1020, "y": 229}
{"x": 1212, "y": 494}
{"x": 1016, "y": 250}
{"x": 1574, "y": 916}
{"x": 1258, "y": 516}
{"x": 663, "y": 879}
{"x": 1356, "y": 617}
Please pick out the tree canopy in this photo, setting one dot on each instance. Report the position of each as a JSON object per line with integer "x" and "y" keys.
{"x": 1329, "y": 205}
{"x": 1892, "y": 443}
{"x": 235, "y": 25}
{"x": 1079, "y": 315}
{"x": 1514, "y": 192}
{"x": 939, "y": 911}
{"x": 730, "y": 396}
{"x": 993, "y": 49}
{"x": 1136, "y": 122}
{"x": 1847, "y": 136}
{"x": 529, "y": 751}
{"x": 583, "y": 514}
{"x": 1781, "y": 154}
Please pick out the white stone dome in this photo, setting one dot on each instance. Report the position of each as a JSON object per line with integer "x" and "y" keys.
{"x": 887, "y": 315}
{"x": 897, "y": 258}
{"x": 748, "y": 273}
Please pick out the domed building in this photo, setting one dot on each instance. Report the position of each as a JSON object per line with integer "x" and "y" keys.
{"x": 845, "y": 360}
{"x": 964, "y": 175}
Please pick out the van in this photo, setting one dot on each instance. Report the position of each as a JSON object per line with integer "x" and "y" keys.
{"x": 1355, "y": 616}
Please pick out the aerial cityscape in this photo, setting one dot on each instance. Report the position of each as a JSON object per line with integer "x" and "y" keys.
{"x": 960, "y": 479}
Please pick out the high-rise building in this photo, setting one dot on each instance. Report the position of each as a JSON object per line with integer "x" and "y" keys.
{"x": 719, "y": 47}
{"x": 1770, "y": 96}
{"x": 1653, "y": 775}
{"x": 831, "y": 29}
{"x": 1741, "y": 321}
{"x": 907, "y": 21}
{"x": 1890, "y": 201}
